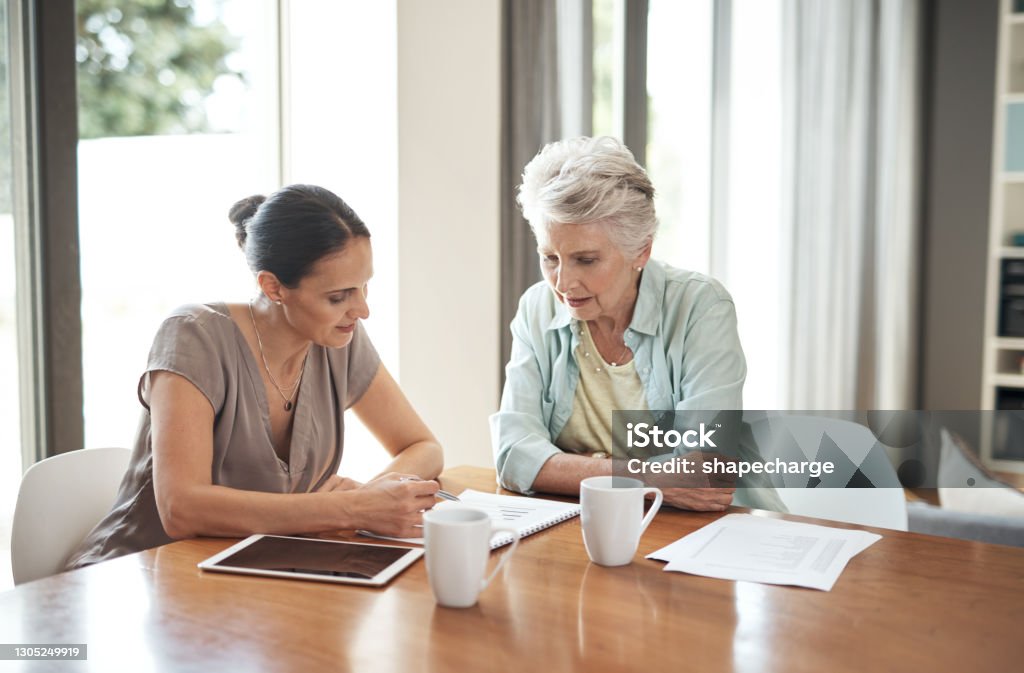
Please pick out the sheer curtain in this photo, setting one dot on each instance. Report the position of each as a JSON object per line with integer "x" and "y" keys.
{"x": 849, "y": 151}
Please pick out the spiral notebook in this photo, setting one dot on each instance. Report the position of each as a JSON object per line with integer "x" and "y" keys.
{"x": 527, "y": 515}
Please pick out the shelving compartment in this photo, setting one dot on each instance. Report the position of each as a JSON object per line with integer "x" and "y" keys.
{"x": 1008, "y": 429}
{"x": 1011, "y": 298}
{"x": 1010, "y": 362}
{"x": 1013, "y": 214}
{"x": 1015, "y": 79}
{"x": 1002, "y": 427}
{"x": 1014, "y": 150}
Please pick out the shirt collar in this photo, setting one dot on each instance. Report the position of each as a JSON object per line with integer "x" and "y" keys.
{"x": 649, "y": 300}
{"x": 647, "y": 313}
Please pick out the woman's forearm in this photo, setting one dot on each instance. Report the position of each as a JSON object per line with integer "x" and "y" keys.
{"x": 424, "y": 459}
{"x": 220, "y": 511}
{"x": 390, "y": 506}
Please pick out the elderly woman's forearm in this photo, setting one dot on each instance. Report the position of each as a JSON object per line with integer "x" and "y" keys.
{"x": 563, "y": 473}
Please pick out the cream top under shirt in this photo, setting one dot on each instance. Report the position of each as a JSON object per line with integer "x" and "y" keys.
{"x": 602, "y": 388}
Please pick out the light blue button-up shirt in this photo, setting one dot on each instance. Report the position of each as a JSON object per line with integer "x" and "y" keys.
{"x": 685, "y": 348}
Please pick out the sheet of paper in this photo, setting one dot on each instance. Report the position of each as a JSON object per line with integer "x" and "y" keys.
{"x": 772, "y": 551}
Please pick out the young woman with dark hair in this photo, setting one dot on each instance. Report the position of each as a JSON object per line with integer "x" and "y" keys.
{"x": 242, "y": 425}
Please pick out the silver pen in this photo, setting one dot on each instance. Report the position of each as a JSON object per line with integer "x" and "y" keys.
{"x": 442, "y": 494}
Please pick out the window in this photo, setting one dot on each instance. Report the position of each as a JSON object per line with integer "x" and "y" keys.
{"x": 752, "y": 241}
{"x": 713, "y": 83}
{"x": 314, "y": 103}
{"x": 10, "y": 419}
{"x": 178, "y": 117}
{"x": 679, "y": 67}
{"x": 342, "y": 129}
{"x": 608, "y": 19}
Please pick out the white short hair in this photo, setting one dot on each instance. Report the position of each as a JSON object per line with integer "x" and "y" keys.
{"x": 590, "y": 181}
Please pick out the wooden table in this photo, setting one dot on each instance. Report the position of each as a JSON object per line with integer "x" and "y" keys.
{"x": 910, "y": 603}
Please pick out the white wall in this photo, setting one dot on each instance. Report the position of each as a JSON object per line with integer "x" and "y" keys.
{"x": 340, "y": 130}
{"x": 341, "y": 127}
{"x": 449, "y": 61}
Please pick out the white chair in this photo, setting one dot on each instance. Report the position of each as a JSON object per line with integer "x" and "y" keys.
{"x": 878, "y": 507}
{"x": 860, "y": 458}
{"x": 60, "y": 500}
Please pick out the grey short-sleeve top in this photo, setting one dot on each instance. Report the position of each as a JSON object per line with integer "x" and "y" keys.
{"x": 203, "y": 344}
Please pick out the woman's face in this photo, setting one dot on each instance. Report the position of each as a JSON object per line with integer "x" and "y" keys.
{"x": 328, "y": 302}
{"x": 588, "y": 273}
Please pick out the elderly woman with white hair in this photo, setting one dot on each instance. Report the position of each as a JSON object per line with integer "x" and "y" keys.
{"x": 609, "y": 328}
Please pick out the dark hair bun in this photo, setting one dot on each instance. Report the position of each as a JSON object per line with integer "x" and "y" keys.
{"x": 241, "y": 213}
{"x": 286, "y": 233}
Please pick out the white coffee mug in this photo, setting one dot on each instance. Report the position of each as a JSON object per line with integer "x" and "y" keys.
{"x": 613, "y": 517}
{"x": 458, "y": 544}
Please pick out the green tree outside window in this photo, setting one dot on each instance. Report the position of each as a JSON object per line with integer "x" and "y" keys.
{"x": 146, "y": 67}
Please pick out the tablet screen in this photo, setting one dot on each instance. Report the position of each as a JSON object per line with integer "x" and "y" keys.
{"x": 323, "y": 559}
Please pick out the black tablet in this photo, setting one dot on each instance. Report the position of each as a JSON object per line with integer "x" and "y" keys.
{"x": 314, "y": 559}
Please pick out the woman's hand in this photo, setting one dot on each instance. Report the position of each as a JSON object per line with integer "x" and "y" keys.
{"x": 393, "y": 504}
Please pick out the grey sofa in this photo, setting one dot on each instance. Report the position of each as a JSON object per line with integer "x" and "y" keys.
{"x": 925, "y": 518}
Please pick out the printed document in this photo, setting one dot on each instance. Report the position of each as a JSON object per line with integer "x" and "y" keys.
{"x": 772, "y": 551}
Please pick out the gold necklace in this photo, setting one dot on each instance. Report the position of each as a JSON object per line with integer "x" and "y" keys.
{"x": 625, "y": 349}
{"x": 293, "y": 388}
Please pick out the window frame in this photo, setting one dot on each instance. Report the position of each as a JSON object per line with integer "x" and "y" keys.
{"x": 44, "y": 130}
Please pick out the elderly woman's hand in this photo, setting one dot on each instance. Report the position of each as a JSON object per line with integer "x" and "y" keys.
{"x": 697, "y": 490}
{"x": 699, "y": 499}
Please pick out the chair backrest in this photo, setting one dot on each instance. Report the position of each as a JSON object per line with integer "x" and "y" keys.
{"x": 966, "y": 485}
{"x": 60, "y": 500}
{"x": 873, "y": 496}
{"x": 878, "y": 507}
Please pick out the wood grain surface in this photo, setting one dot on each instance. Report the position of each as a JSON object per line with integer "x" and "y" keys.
{"x": 910, "y": 602}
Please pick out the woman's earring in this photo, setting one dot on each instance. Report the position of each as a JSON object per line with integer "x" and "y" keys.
{"x": 278, "y": 302}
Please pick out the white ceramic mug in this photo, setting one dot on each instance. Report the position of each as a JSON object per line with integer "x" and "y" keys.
{"x": 613, "y": 517}
{"x": 458, "y": 544}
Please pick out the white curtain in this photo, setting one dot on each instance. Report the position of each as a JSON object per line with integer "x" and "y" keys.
{"x": 850, "y": 144}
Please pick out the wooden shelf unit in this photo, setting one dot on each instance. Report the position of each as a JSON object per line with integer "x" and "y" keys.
{"x": 1003, "y": 375}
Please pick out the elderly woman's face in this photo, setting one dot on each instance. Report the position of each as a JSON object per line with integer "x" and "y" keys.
{"x": 588, "y": 272}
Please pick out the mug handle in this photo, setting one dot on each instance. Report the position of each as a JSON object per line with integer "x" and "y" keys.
{"x": 504, "y": 557}
{"x": 655, "y": 506}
